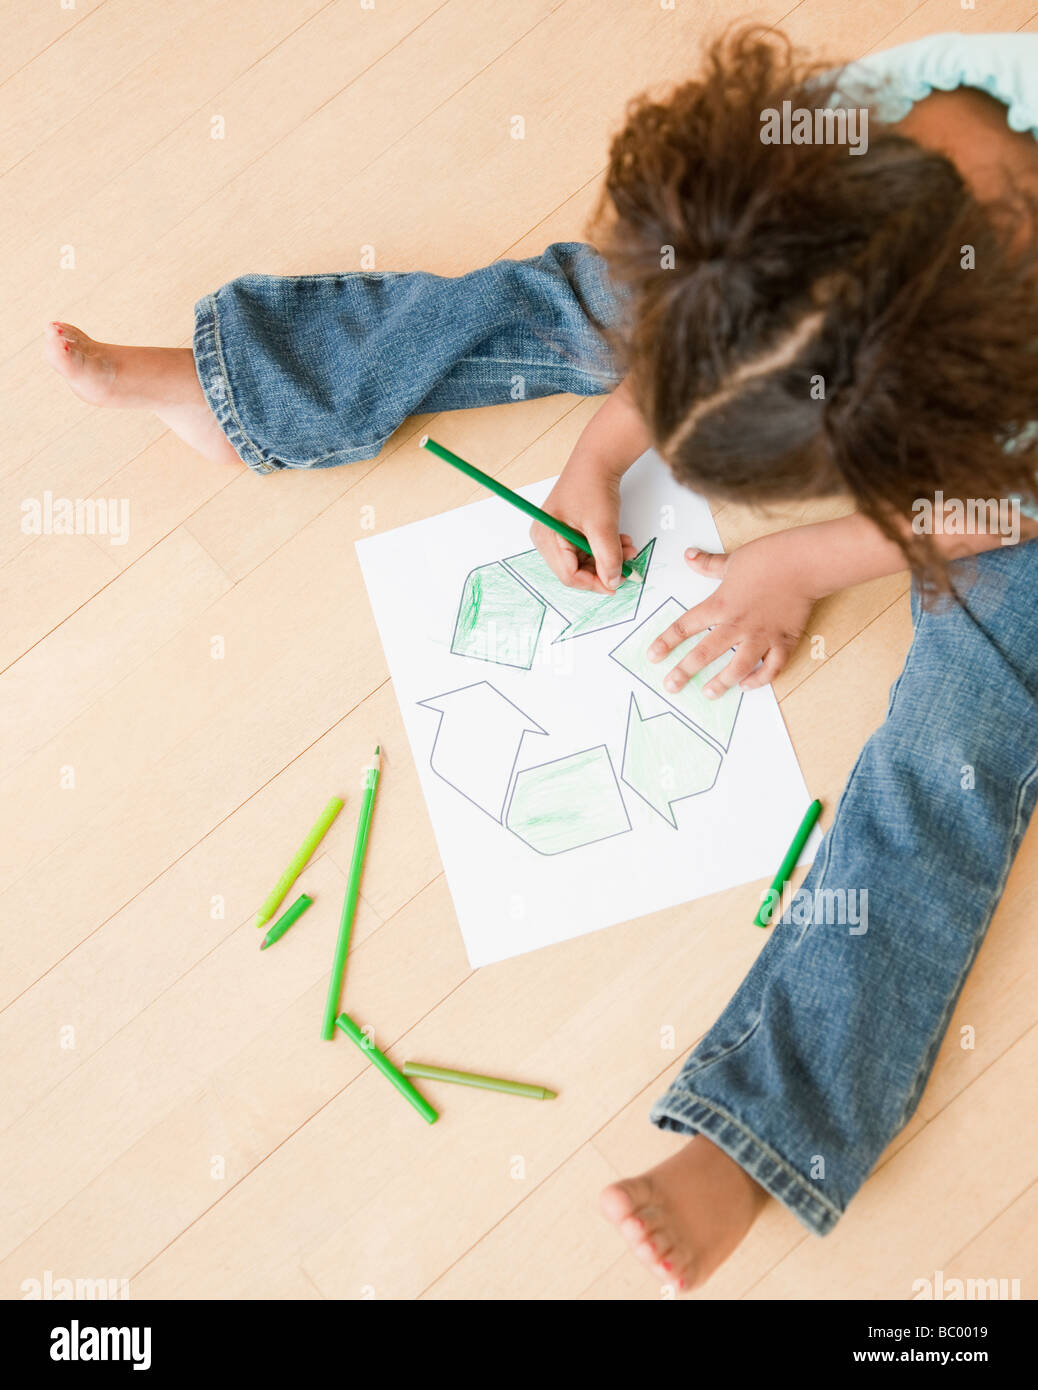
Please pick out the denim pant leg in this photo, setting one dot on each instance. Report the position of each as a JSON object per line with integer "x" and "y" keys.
{"x": 310, "y": 371}
{"x": 823, "y": 1053}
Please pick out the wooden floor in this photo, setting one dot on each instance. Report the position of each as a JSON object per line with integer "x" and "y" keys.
{"x": 169, "y": 1115}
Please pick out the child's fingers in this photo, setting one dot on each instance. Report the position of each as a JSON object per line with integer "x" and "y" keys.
{"x": 773, "y": 663}
{"x": 586, "y": 578}
{"x": 742, "y": 663}
{"x": 573, "y": 567}
{"x": 710, "y": 566}
{"x": 695, "y": 620}
{"x": 713, "y": 645}
{"x": 563, "y": 559}
{"x": 550, "y": 547}
{"x": 579, "y": 570}
{"x": 560, "y": 556}
{"x": 608, "y": 553}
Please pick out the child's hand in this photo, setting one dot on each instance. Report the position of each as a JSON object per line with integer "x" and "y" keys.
{"x": 588, "y": 499}
{"x": 760, "y": 608}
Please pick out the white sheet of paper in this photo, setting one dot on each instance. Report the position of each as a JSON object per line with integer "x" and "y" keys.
{"x": 566, "y": 791}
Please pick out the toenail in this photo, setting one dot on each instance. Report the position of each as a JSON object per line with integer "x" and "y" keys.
{"x": 65, "y": 346}
{"x": 667, "y": 1265}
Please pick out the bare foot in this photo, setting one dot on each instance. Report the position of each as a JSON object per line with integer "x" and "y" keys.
{"x": 162, "y": 380}
{"x": 684, "y": 1217}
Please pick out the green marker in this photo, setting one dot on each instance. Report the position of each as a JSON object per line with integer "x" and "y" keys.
{"x": 553, "y": 523}
{"x": 349, "y": 906}
{"x": 299, "y": 859}
{"x": 471, "y": 1078}
{"x": 387, "y": 1068}
{"x": 774, "y": 893}
{"x": 286, "y": 919}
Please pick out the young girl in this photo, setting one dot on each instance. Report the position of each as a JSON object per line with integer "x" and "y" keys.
{"x": 779, "y": 321}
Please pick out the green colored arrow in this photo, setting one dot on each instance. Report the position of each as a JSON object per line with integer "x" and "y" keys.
{"x": 498, "y": 619}
{"x": 665, "y": 760}
{"x": 584, "y": 612}
{"x": 715, "y": 718}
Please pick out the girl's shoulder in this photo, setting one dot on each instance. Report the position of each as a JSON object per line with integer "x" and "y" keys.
{"x": 892, "y": 81}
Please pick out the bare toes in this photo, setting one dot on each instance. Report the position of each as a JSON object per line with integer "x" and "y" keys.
{"x": 63, "y": 330}
{"x": 645, "y": 1251}
{"x": 621, "y": 1200}
{"x": 632, "y": 1228}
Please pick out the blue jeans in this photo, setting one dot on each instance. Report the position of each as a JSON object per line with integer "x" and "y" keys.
{"x": 311, "y": 371}
{"x": 822, "y": 1054}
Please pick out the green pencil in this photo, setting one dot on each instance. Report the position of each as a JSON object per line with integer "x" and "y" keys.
{"x": 299, "y": 859}
{"x": 349, "y": 906}
{"x": 471, "y": 1078}
{"x": 553, "y": 523}
{"x": 774, "y": 893}
{"x": 286, "y": 919}
{"x": 387, "y": 1068}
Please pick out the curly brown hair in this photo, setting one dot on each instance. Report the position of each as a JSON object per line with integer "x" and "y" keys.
{"x": 755, "y": 271}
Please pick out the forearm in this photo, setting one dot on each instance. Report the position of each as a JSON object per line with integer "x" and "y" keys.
{"x": 615, "y": 437}
{"x": 832, "y": 555}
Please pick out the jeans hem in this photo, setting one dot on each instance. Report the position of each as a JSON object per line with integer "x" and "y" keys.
{"x": 216, "y": 386}
{"x": 682, "y": 1110}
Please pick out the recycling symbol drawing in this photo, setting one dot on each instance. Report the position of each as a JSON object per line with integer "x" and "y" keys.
{"x": 564, "y": 803}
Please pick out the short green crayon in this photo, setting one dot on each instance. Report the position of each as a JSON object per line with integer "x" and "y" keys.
{"x": 286, "y": 919}
{"x": 299, "y": 860}
{"x": 387, "y": 1068}
{"x": 780, "y": 880}
{"x": 471, "y": 1078}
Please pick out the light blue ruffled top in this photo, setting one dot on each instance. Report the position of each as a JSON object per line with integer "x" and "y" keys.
{"x": 1003, "y": 65}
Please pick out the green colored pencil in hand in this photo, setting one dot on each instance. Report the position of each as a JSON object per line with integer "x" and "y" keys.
{"x": 569, "y": 533}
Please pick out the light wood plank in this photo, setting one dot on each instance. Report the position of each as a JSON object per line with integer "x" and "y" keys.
{"x": 920, "y": 1209}
{"x": 220, "y": 1150}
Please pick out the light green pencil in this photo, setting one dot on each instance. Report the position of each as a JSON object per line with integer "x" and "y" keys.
{"x": 471, "y": 1078}
{"x": 298, "y": 863}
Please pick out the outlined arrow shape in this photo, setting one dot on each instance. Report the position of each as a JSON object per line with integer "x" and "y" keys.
{"x": 665, "y": 760}
{"x": 477, "y": 743}
{"x": 584, "y": 611}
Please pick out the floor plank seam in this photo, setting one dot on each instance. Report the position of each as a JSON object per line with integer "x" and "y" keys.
{"x": 122, "y": 906}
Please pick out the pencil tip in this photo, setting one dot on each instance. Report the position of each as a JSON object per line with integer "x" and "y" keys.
{"x": 263, "y": 945}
